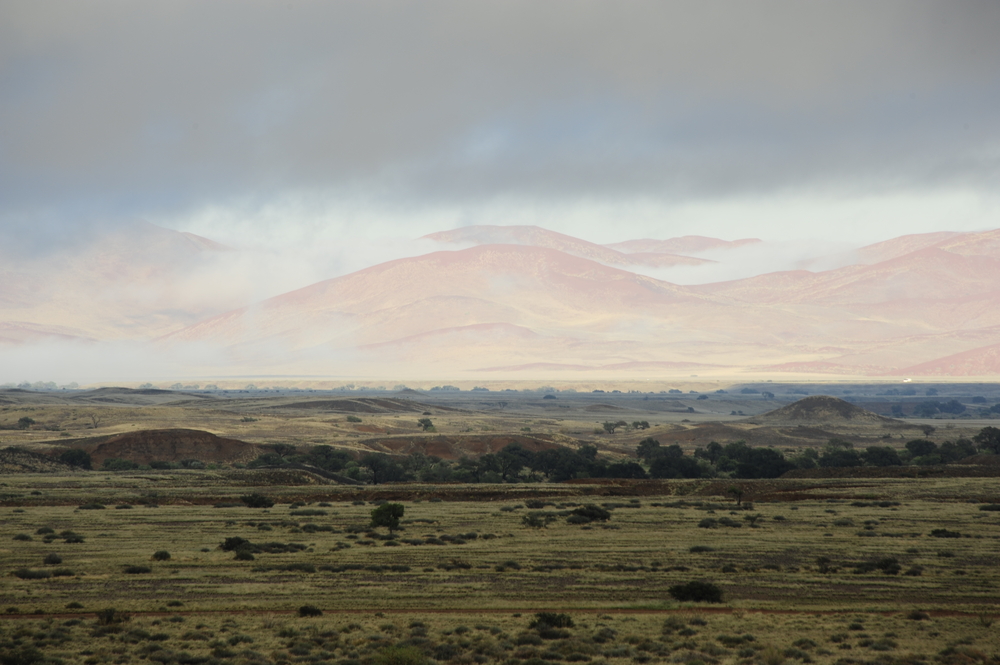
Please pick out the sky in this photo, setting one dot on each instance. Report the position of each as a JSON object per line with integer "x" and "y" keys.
{"x": 315, "y": 125}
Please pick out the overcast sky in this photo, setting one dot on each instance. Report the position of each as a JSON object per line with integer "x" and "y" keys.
{"x": 287, "y": 122}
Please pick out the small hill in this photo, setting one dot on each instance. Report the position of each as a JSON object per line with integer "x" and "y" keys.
{"x": 824, "y": 410}
{"x": 360, "y": 405}
{"x": 168, "y": 445}
{"x": 17, "y": 460}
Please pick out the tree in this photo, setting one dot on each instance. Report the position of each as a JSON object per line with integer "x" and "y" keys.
{"x": 988, "y": 439}
{"x": 381, "y": 468}
{"x": 737, "y": 492}
{"x": 921, "y": 447}
{"x": 388, "y": 515}
{"x": 881, "y": 456}
{"x": 640, "y": 424}
{"x": 763, "y": 463}
{"x": 840, "y": 457}
{"x": 24, "y": 422}
{"x": 648, "y": 449}
{"x": 426, "y": 424}
{"x": 610, "y": 427}
{"x": 76, "y": 457}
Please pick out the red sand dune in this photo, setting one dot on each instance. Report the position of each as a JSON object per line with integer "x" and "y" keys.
{"x": 682, "y": 245}
{"x": 538, "y": 237}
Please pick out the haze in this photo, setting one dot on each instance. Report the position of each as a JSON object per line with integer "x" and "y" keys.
{"x": 178, "y": 183}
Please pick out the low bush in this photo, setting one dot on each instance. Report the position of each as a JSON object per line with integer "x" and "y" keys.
{"x": 31, "y": 574}
{"x": 111, "y": 616}
{"x": 696, "y": 591}
{"x": 995, "y": 507}
{"x": 93, "y": 505}
{"x": 697, "y": 549}
{"x": 161, "y": 555}
{"x": 23, "y": 537}
{"x": 945, "y": 533}
{"x": 887, "y": 565}
{"x": 257, "y": 500}
{"x": 137, "y": 570}
{"x": 592, "y": 513}
{"x": 52, "y": 559}
{"x": 309, "y": 611}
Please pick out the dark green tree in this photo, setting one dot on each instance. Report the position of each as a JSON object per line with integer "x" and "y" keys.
{"x": 881, "y": 456}
{"x": 388, "y": 515}
{"x": 381, "y": 468}
{"x": 76, "y": 457}
{"x": 988, "y": 439}
{"x": 921, "y": 447}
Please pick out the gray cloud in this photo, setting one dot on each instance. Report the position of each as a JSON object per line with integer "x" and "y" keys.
{"x": 116, "y": 109}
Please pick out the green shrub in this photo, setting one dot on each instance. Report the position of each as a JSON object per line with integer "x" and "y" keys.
{"x": 22, "y": 536}
{"x": 161, "y": 555}
{"x": 31, "y": 574}
{"x": 696, "y": 591}
{"x": 551, "y": 620}
{"x": 137, "y": 570}
{"x": 995, "y": 507}
{"x": 257, "y": 500}
{"x": 52, "y": 559}
{"x": 111, "y": 616}
{"x": 945, "y": 533}
{"x": 593, "y": 513}
{"x": 701, "y": 548}
{"x": 93, "y": 505}
{"x": 309, "y": 611}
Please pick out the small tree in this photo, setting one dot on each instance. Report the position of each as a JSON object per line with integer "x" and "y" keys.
{"x": 24, "y": 422}
{"x": 737, "y": 492}
{"x": 426, "y": 424}
{"x": 610, "y": 427}
{"x": 388, "y": 515}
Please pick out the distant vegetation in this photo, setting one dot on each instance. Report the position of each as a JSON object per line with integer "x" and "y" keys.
{"x": 514, "y": 463}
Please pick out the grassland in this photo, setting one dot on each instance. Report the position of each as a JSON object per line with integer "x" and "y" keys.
{"x": 464, "y": 571}
{"x": 813, "y": 570}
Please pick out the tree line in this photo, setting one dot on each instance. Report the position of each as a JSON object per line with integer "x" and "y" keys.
{"x": 515, "y": 463}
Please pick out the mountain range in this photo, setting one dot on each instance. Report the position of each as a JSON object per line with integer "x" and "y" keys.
{"x": 524, "y": 301}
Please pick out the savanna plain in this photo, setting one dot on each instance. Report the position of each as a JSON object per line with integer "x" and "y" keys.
{"x": 171, "y": 563}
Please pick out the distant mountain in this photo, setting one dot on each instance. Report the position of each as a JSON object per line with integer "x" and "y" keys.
{"x": 983, "y": 361}
{"x": 137, "y": 281}
{"x": 890, "y": 249}
{"x": 682, "y": 245}
{"x": 538, "y": 237}
{"x": 542, "y": 304}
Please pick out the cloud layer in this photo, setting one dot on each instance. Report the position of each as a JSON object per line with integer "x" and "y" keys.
{"x": 113, "y": 109}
